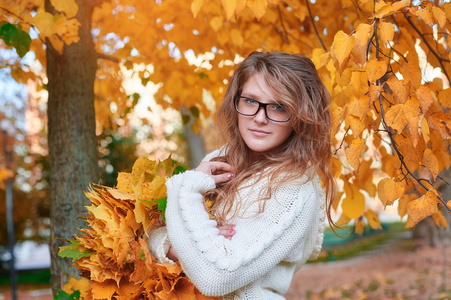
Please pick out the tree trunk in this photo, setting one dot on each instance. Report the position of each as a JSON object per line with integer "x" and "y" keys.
{"x": 196, "y": 147}
{"x": 72, "y": 139}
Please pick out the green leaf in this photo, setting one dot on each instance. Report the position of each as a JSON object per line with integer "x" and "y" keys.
{"x": 62, "y": 295}
{"x": 74, "y": 251}
{"x": 14, "y": 36}
{"x": 162, "y": 206}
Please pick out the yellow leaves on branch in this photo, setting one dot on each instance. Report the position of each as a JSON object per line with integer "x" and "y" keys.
{"x": 375, "y": 69}
{"x": 234, "y": 7}
{"x": 341, "y": 49}
{"x": 61, "y": 28}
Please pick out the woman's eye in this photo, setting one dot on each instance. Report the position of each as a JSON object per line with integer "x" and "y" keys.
{"x": 278, "y": 107}
{"x": 250, "y": 101}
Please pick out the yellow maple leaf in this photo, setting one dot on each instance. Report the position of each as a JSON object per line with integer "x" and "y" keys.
{"x": 258, "y": 7}
{"x": 196, "y": 5}
{"x": 353, "y": 204}
{"x": 45, "y": 23}
{"x": 389, "y": 190}
{"x": 422, "y": 207}
{"x": 354, "y": 153}
{"x": 68, "y": 7}
{"x": 74, "y": 284}
{"x": 375, "y": 69}
{"x": 229, "y": 7}
{"x": 373, "y": 219}
{"x": 430, "y": 161}
{"x": 216, "y": 23}
{"x": 342, "y": 46}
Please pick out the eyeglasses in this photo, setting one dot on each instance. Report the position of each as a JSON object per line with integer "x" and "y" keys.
{"x": 250, "y": 107}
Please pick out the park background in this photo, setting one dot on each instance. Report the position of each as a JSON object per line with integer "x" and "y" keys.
{"x": 87, "y": 87}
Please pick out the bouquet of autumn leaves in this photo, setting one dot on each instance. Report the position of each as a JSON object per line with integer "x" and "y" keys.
{"x": 112, "y": 252}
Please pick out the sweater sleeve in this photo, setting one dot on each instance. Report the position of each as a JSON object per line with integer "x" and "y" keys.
{"x": 218, "y": 266}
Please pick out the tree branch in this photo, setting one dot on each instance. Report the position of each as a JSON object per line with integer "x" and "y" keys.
{"x": 107, "y": 57}
{"x": 391, "y": 135}
{"x": 439, "y": 58}
{"x": 285, "y": 38}
{"x": 314, "y": 27}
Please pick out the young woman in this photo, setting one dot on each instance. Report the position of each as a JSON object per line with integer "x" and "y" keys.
{"x": 269, "y": 207}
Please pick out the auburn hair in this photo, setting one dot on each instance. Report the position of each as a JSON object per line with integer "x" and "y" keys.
{"x": 294, "y": 79}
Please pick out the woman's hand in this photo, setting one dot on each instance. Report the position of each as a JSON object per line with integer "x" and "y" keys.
{"x": 227, "y": 231}
{"x": 220, "y": 172}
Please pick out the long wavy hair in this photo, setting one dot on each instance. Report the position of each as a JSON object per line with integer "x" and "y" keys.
{"x": 294, "y": 79}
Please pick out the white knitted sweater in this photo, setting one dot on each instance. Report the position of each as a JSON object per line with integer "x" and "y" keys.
{"x": 268, "y": 247}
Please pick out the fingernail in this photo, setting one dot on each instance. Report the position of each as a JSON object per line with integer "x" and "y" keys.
{"x": 229, "y": 175}
{"x": 231, "y": 231}
{"x": 233, "y": 225}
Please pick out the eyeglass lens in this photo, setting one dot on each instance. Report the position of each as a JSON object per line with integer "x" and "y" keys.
{"x": 249, "y": 107}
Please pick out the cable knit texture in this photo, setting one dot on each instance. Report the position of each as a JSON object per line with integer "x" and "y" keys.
{"x": 268, "y": 247}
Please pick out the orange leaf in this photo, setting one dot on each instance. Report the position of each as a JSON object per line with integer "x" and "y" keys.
{"x": 400, "y": 88}
{"x": 363, "y": 33}
{"x": 103, "y": 290}
{"x": 387, "y": 32}
{"x": 374, "y": 92}
{"x": 382, "y": 9}
{"x": 354, "y": 153}
{"x": 444, "y": 97}
{"x": 68, "y": 7}
{"x": 395, "y": 117}
{"x": 425, "y": 96}
{"x": 439, "y": 15}
{"x": 442, "y": 123}
{"x": 357, "y": 125}
{"x": 389, "y": 190}
{"x": 426, "y": 14}
{"x": 335, "y": 166}
{"x": 337, "y": 119}
{"x": 431, "y": 162}
{"x": 343, "y": 220}
{"x": 422, "y": 207}
{"x": 402, "y": 203}
{"x": 409, "y": 223}
{"x": 359, "y": 227}
{"x": 258, "y": 7}
{"x": 373, "y": 219}
{"x": 359, "y": 107}
{"x": 439, "y": 219}
{"x": 399, "y": 5}
{"x": 375, "y": 69}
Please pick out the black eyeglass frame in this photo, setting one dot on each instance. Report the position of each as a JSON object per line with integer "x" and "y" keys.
{"x": 260, "y": 105}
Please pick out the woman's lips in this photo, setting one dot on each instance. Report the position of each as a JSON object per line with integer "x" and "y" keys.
{"x": 258, "y": 132}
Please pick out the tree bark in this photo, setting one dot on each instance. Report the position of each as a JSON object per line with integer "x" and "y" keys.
{"x": 72, "y": 139}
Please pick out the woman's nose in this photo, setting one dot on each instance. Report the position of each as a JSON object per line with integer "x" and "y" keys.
{"x": 260, "y": 117}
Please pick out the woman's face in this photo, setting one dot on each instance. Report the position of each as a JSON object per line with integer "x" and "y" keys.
{"x": 258, "y": 132}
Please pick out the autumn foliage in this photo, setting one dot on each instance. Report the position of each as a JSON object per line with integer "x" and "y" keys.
{"x": 385, "y": 63}
{"x": 112, "y": 252}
